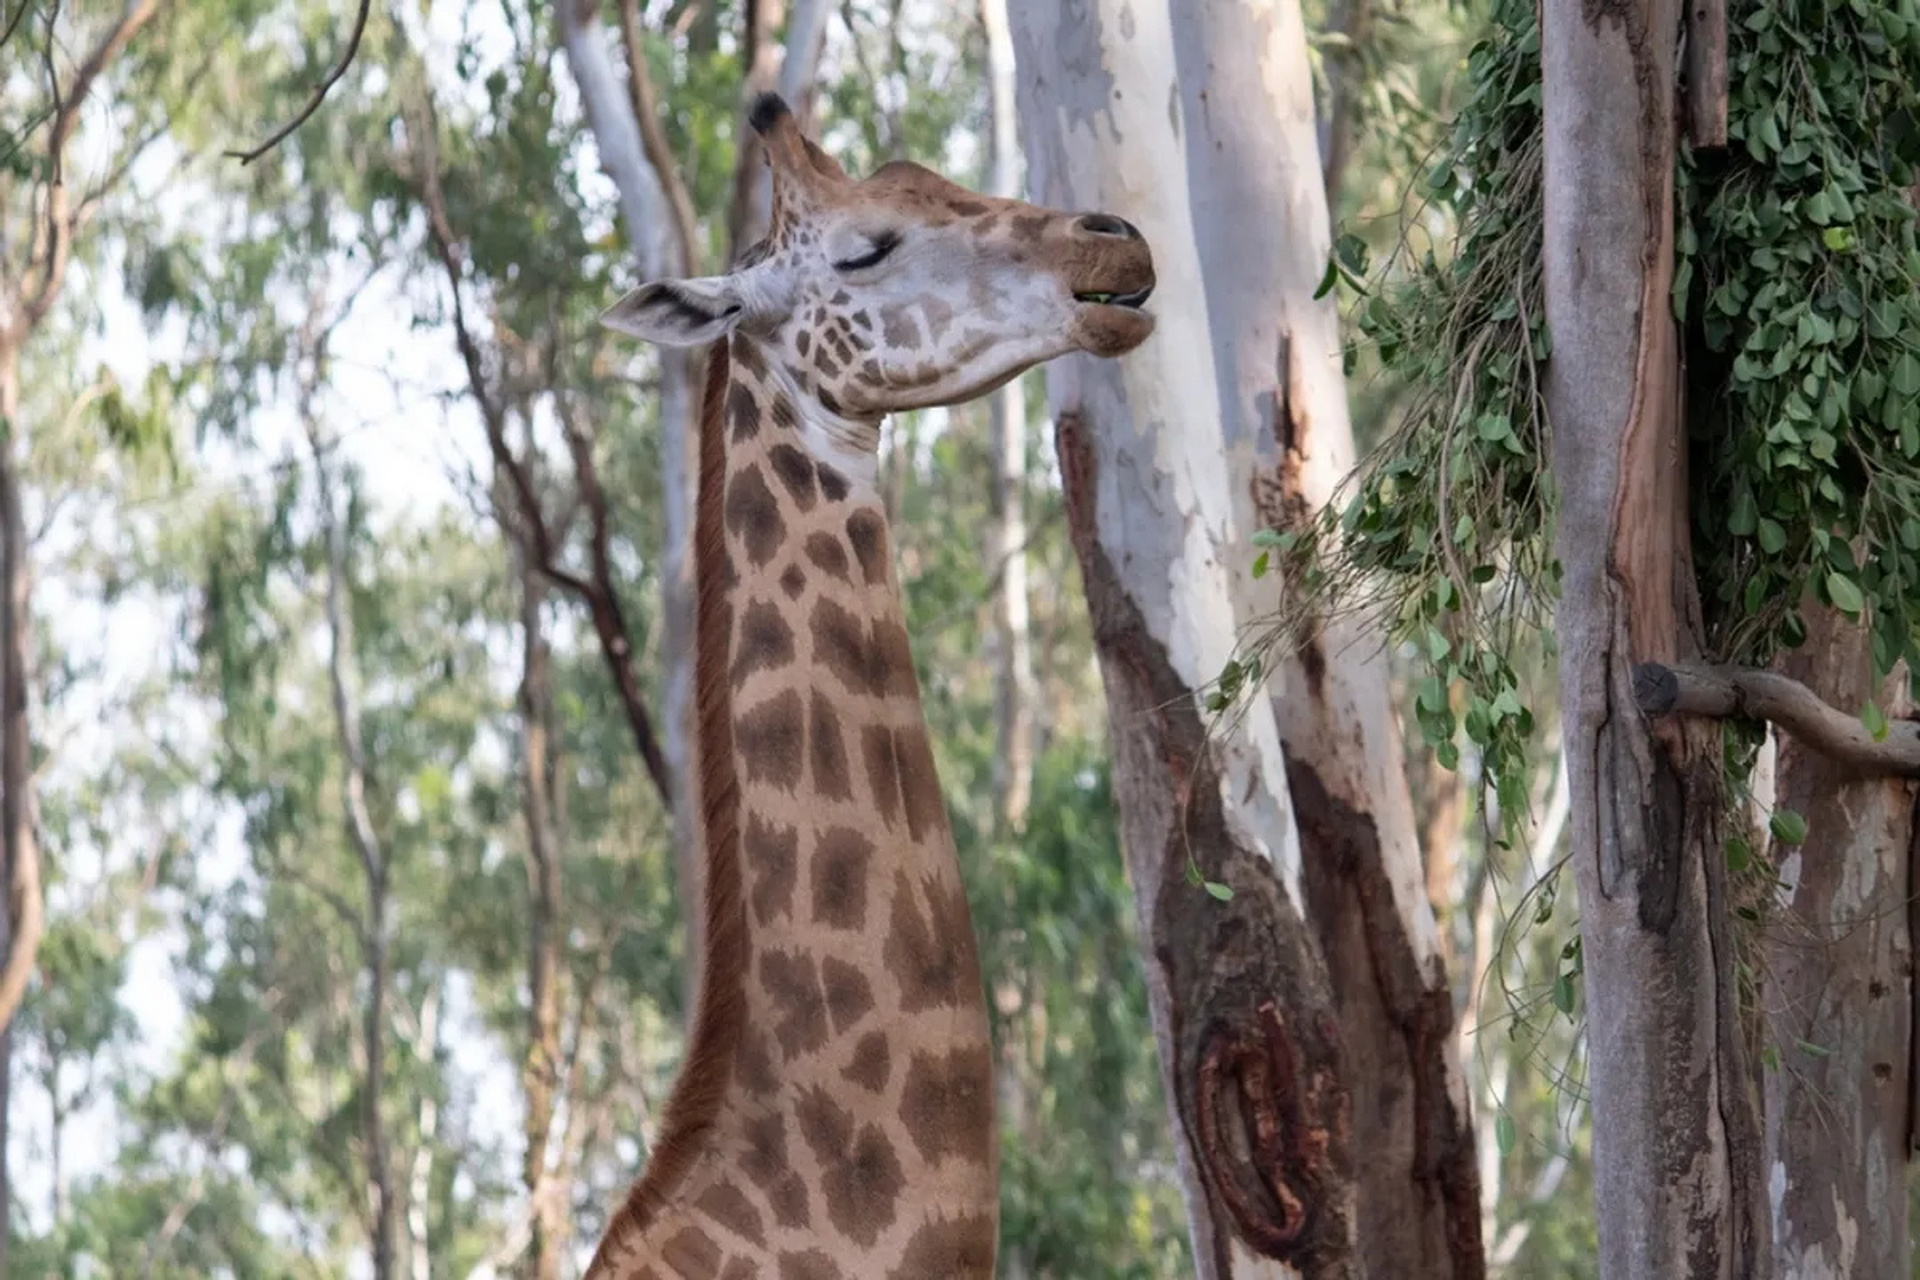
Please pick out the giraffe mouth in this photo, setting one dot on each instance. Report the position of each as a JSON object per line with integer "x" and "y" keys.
{"x": 1134, "y": 300}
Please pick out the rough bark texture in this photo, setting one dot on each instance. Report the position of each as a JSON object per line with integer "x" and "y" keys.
{"x": 1249, "y": 1042}
{"x": 1837, "y": 965}
{"x": 1260, "y": 216}
{"x": 1676, "y": 1134}
{"x": 1007, "y": 541}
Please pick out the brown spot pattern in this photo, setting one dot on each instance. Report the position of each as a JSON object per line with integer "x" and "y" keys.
{"x": 792, "y": 982}
{"x": 961, "y": 1246}
{"x": 753, "y": 516}
{"x": 728, "y": 1205}
{"x": 691, "y": 1252}
{"x": 770, "y": 739}
{"x": 867, "y": 663}
{"x": 766, "y": 1165}
{"x": 742, "y": 413}
{"x": 872, "y": 1063}
{"x": 795, "y": 470}
{"x": 793, "y": 581}
{"x": 783, "y": 415}
{"x": 849, "y": 995}
{"x": 868, "y": 534}
{"x": 771, "y": 852}
{"x": 753, "y": 1063}
{"x": 764, "y": 642}
{"x": 863, "y": 1178}
{"x": 924, "y": 952}
{"x": 946, "y": 1104}
{"x": 830, "y": 554}
{"x": 840, "y": 859}
{"x": 811, "y": 1265}
{"x": 883, "y": 771}
{"x": 833, "y": 484}
{"x": 749, "y": 357}
{"x": 830, "y": 776}
{"x": 919, "y": 781}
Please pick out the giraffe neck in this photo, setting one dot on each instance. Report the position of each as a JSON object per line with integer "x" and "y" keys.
{"x": 835, "y": 1117}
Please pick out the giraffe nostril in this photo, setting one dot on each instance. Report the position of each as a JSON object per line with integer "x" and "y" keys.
{"x": 1105, "y": 224}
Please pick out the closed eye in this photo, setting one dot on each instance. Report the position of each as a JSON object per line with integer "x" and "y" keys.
{"x": 883, "y": 244}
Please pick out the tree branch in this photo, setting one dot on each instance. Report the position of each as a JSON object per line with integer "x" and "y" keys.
{"x": 653, "y": 140}
{"x": 1726, "y": 692}
{"x": 59, "y": 230}
{"x": 603, "y": 605}
{"x": 320, "y": 91}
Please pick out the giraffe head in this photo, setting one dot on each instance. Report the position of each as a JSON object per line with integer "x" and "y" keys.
{"x": 904, "y": 290}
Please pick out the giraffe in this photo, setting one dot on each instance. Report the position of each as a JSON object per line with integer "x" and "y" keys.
{"x": 834, "y": 1116}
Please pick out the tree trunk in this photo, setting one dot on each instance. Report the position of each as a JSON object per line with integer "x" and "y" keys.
{"x": 21, "y": 921}
{"x": 382, "y": 1192}
{"x": 651, "y": 196}
{"x": 1676, "y": 1143}
{"x": 540, "y": 1072}
{"x": 1249, "y": 1043}
{"x": 1260, "y": 216}
{"x": 1837, "y": 966}
{"x": 1007, "y": 538}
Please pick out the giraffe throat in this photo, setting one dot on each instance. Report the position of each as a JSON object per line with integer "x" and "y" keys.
{"x": 835, "y": 1116}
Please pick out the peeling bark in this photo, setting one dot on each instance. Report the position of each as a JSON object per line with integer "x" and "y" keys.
{"x": 1260, "y": 214}
{"x": 1676, "y": 1134}
{"x": 1837, "y": 965}
{"x": 1250, "y": 1047}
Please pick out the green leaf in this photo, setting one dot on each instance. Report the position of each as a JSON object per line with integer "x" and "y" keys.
{"x": 1563, "y": 993}
{"x": 1773, "y": 537}
{"x": 1788, "y": 827}
{"x": 1875, "y": 721}
{"x": 1327, "y": 281}
{"x": 1504, "y": 1134}
{"x": 1739, "y": 853}
{"x": 1844, "y": 593}
{"x": 1260, "y": 564}
{"x": 1223, "y": 892}
{"x": 1839, "y": 239}
{"x": 1905, "y": 375}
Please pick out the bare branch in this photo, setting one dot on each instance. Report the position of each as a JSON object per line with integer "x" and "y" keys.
{"x": 319, "y": 93}
{"x": 1725, "y": 692}
{"x": 609, "y": 622}
{"x": 59, "y": 228}
{"x": 653, "y": 140}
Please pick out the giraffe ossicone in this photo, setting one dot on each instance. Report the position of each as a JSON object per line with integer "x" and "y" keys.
{"x": 834, "y": 1116}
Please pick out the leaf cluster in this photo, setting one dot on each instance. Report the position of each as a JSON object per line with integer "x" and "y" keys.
{"x": 1795, "y": 268}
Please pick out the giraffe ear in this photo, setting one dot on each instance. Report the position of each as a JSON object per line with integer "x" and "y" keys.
{"x": 678, "y": 313}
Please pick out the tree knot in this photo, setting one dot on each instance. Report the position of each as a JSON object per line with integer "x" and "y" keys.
{"x": 1269, "y": 1132}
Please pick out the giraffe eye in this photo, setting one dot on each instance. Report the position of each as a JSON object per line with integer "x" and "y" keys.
{"x": 883, "y": 244}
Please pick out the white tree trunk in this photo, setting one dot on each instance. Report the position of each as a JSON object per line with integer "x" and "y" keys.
{"x": 650, "y": 224}
{"x": 1255, "y": 185}
{"x": 1007, "y": 540}
{"x": 1249, "y": 1042}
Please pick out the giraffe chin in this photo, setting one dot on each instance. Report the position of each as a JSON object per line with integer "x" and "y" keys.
{"x": 1101, "y": 329}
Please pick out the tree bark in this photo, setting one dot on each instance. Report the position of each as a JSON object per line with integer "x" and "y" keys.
{"x": 1250, "y": 1050}
{"x": 540, "y": 1072}
{"x": 1676, "y": 1161}
{"x": 1837, "y": 965}
{"x": 1260, "y": 216}
{"x": 382, "y": 1192}
{"x": 654, "y": 204}
{"x": 1007, "y": 424}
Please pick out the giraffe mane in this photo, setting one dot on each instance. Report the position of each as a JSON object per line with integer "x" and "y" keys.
{"x": 720, "y": 1013}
